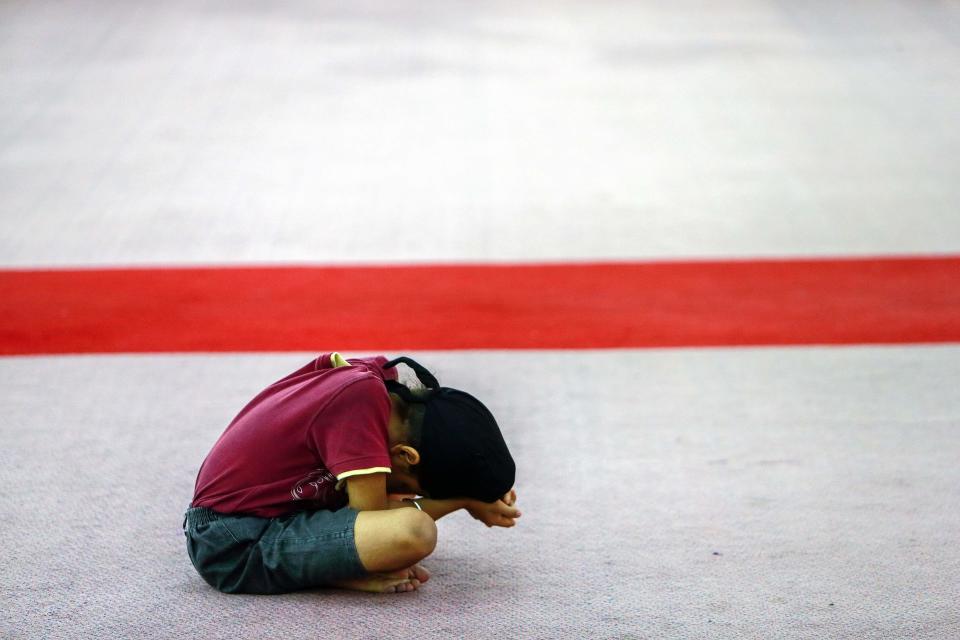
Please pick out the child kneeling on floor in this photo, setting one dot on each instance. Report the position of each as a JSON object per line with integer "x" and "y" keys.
{"x": 296, "y": 492}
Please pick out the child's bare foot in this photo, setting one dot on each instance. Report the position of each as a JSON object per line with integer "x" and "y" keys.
{"x": 419, "y": 573}
{"x": 397, "y": 582}
{"x": 392, "y": 582}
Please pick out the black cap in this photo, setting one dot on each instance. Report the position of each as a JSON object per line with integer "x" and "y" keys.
{"x": 462, "y": 452}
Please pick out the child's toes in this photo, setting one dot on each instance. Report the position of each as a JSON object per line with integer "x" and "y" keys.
{"x": 402, "y": 587}
{"x": 419, "y": 573}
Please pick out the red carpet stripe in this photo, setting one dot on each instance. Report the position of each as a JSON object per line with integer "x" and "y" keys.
{"x": 562, "y": 306}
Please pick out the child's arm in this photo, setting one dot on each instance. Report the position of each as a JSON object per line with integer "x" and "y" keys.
{"x": 436, "y": 509}
{"x": 500, "y": 513}
{"x": 369, "y": 493}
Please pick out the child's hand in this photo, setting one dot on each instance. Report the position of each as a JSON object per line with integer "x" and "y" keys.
{"x": 495, "y": 514}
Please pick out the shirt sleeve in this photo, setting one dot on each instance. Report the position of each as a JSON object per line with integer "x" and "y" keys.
{"x": 350, "y": 433}
{"x": 376, "y": 362}
{"x": 335, "y": 360}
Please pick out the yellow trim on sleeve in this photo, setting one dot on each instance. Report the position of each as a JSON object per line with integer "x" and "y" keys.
{"x": 338, "y": 360}
{"x": 359, "y": 472}
{"x": 362, "y": 472}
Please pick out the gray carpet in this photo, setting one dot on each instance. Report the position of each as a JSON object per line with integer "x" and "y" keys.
{"x": 767, "y": 493}
{"x": 789, "y": 493}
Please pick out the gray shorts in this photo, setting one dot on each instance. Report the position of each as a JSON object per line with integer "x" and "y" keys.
{"x": 247, "y": 554}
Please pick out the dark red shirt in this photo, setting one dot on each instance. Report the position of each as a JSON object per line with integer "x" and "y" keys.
{"x": 292, "y": 445}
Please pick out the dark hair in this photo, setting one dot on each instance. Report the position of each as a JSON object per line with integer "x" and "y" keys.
{"x": 462, "y": 451}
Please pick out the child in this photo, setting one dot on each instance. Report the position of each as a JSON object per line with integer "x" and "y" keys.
{"x": 294, "y": 494}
